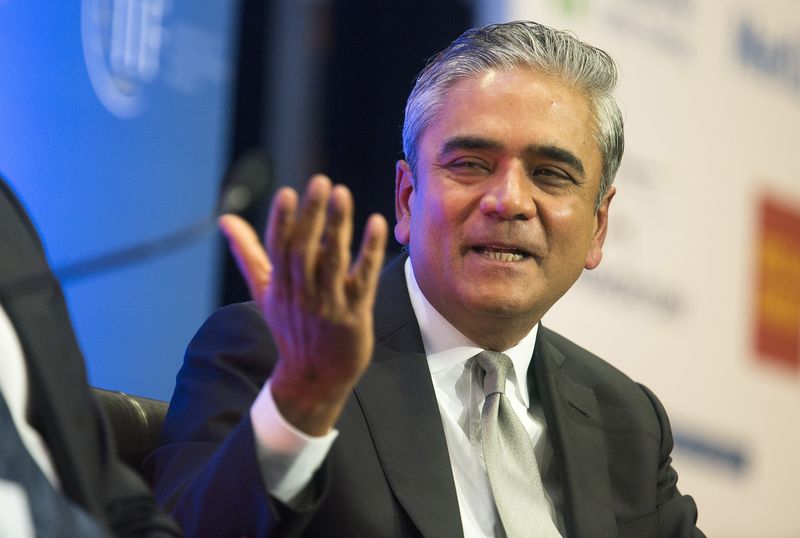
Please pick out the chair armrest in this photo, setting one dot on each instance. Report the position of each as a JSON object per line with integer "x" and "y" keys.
{"x": 135, "y": 423}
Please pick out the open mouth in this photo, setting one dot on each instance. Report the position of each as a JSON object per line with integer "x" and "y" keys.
{"x": 502, "y": 254}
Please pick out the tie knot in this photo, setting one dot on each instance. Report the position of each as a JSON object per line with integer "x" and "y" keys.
{"x": 496, "y": 367}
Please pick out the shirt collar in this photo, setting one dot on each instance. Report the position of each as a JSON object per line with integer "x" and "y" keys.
{"x": 446, "y": 346}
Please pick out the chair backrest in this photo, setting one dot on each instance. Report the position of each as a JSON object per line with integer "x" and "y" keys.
{"x": 135, "y": 423}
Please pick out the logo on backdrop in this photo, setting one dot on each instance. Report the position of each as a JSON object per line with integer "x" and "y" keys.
{"x": 770, "y": 54}
{"x": 122, "y": 41}
{"x": 777, "y": 305}
{"x": 664, "y": 24}
{"x": 571, "y": 6}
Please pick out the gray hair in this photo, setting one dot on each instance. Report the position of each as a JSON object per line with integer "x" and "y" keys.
{"x": 511, "y": 46}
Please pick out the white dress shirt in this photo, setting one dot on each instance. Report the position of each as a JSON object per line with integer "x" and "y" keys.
{"x": 460, "y": 396}
{"x": 289, "y": 458}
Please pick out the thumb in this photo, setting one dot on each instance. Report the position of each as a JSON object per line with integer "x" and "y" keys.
{"x": 249, "y": 253}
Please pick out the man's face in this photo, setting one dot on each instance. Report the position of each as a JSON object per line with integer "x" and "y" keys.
{"x": 500, "y": 219}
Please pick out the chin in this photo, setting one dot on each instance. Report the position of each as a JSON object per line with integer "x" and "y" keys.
{"x": 503, "y": 305}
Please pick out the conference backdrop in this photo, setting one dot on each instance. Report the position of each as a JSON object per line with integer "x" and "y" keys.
{"x": 114, "y": 122}
{"x": 698, "y": 294}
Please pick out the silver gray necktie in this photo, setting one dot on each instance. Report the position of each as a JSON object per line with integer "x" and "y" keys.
{"x": 510, "y": 462}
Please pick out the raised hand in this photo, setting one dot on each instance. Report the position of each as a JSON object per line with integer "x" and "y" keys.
{"x": 317, "y": 305}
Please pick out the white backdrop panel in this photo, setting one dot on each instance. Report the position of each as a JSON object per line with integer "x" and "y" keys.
{"x": 710, "y": 91}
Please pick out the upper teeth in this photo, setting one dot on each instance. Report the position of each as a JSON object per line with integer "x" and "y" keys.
{"x": 502, "y": 255}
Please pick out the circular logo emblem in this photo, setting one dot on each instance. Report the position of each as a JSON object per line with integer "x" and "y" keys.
{"x": 122, "y": 42}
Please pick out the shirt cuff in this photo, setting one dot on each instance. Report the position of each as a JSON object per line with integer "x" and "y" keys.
{"x": 287, "y": 457}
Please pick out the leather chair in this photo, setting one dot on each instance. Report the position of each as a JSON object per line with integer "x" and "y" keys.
{"x": 135, "y": 423}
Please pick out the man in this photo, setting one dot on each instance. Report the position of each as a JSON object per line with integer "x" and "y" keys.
{"x": 512, "y": 140}
{"x": 59, "y": 471}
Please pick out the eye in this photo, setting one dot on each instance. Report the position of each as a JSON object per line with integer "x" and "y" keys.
{"x": 468, "y": 169}
{"x": 469, "y": 164}
{"x": 552, "y": 176}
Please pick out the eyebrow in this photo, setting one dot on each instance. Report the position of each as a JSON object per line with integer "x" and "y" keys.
{"x": 468, "y": 142}
{"x": 549, "y": 151}
{"x": 557, "y": 154}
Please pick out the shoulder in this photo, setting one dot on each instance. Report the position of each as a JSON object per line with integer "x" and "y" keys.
{"x": 247, "y": 313}
{"x": 613, "y": 389}
{"x": 233, "y": 325}
{"x": 233, "y": 341}
{"x": 225, "y": 366}
{"x": 580, "y": 361}
{"x": 7, "y": 193}
{"x": 16, "y": 221}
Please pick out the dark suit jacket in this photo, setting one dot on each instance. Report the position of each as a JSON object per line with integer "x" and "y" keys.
{"x": 62, "y": 407}
{"x": 388, "y": 473}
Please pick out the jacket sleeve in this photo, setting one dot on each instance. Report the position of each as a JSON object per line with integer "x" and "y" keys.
{"x": 677, "y": 513}
{"x": 206, "y": 471}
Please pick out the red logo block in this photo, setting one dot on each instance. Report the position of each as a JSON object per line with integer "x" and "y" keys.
{"x": 777, "y": 327}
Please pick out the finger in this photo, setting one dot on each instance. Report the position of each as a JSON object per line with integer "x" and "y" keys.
{"x": 305, "y": 241}
{"x": 280, "y": 227}
{"x": 364, "y": 273}
{"x": 335, "y": 254}
{"x": 248, "y": 253}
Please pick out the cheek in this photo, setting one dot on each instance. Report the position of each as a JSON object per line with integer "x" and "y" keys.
{"x": 441, "y": 215}
{"x": 427, "y": 233}
{"x": 569, "y": 217}
{"x": 563, "y": 206}
{"x": 425, "y": 214}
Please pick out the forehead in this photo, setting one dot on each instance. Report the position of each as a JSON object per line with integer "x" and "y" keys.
{"x": 517, "y": 108}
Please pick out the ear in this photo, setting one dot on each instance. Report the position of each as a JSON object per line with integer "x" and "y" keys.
{"x": 403, "y": 194}
{"x": 595, "y": 253}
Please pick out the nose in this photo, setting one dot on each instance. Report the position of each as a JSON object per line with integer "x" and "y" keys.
{"x": 509, "y": 195}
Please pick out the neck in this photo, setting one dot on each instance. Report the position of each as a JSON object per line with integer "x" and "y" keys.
{"x": 494, "y": 334}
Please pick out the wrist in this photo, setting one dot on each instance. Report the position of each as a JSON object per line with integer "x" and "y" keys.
{"x": 309, "y": 404}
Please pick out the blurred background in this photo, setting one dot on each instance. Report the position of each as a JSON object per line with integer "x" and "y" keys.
{"x": 121, "y": 121}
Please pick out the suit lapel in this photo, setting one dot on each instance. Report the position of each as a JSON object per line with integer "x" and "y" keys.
{"x": 579, "y": 444}
{"x": 397, "y": 398}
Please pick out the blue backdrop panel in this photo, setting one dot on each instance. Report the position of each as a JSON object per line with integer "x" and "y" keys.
{"x": 114, "y": 122}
